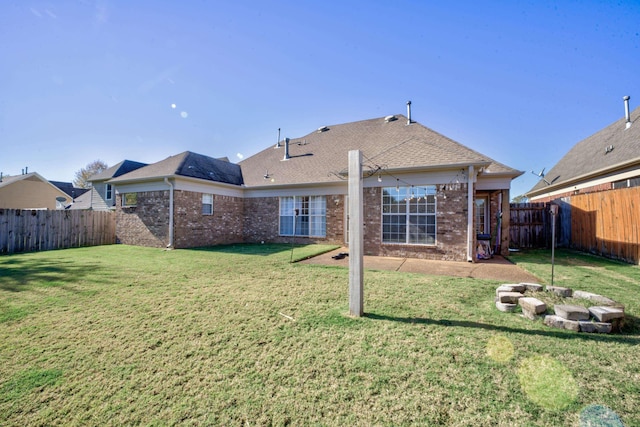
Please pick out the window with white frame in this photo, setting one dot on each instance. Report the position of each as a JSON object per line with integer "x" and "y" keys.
{"x": 303, "y": 216}
{"x": 409, "y": 215}
{"x": 129, "y": 199}
{"x": 207, "y": 204}
{"x": 108, "y": 193}
{"x": 482, "y": 206}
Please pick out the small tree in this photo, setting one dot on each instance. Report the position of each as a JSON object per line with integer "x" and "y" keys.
{"x": 86, "y": 172}
{"x": 520, "y": 199}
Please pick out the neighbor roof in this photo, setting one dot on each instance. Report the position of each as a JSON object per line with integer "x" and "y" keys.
{"x": 116, "y": 170}
{"x": 322, "y": 155}
{"x": 68, "y": 188}
{"x": 612, "y": 148}
{"x": 187, "y": 164}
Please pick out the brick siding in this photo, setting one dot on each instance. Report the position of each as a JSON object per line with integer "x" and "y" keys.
{"x": 255, "y": 220}
{"x": 193, "y": 229}
{"x": 147, "y": 223}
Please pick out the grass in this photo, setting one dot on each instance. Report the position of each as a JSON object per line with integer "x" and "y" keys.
{"x": 238, "y": 335}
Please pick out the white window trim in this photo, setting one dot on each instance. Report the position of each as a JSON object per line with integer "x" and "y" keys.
{"x": 205, "y": 203}
{"x": 309, "y": 215}
{"x": 108, "y": 192}
{"x": 431, "y": 190}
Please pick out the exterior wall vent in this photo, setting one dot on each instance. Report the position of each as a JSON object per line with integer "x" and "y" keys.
{"x": 391, "y": 118}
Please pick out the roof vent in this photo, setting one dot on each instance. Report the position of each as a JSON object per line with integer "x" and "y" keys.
{"x": 323, "y": 129}
{"x": 409, "y": 121}
{"x": 390, "y": 118}
{"x": 626, "y": 111}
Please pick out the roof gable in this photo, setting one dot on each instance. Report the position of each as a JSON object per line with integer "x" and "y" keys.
{"x": 187, "y": 164}
{"x": 596, "y": 155}
{"x": 116, "y": 170}
{"x": 321, "y": 156}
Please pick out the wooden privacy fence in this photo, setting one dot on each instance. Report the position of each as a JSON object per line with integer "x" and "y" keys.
{"x": 529, "y": 226}
{"x": 605, "y": 223}
{"x": 41, "y": 230}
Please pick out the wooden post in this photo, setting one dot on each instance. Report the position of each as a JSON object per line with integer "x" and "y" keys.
{"x": 356, "y": 240}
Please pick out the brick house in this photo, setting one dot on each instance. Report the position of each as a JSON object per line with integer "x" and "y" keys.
{"x": 425, "y": 195}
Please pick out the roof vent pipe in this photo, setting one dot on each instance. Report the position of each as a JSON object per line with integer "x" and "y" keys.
{"x": 278, "y": 143}
{"x": 408, "y": 112}
{"x": 286, "y": 149}
{"x": 626, "y": 111}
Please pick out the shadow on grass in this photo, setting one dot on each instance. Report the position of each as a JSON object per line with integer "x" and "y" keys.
{"x": 297, "y": 251}
{"x": 246, "y": 248}
{"x": 20, "y": 274}
{"x": 617, "y": 338}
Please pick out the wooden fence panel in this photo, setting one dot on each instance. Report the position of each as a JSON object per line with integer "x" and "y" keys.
{"x": 39, "y": 230}
{"x": 529, "y": 225}
{"x": 607, "y": 223}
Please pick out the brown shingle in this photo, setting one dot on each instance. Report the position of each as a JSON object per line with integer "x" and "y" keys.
{"x": 320, "y": 157}
{"x": 591, "y": 154}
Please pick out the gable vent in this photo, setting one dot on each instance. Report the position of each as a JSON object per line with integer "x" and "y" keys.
{"x": 323, "y": 129}
{"x": 391, "y": 118}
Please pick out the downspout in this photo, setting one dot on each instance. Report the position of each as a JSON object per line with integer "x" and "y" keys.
{"x": 470, "y": 203}
{"x": 166, "y": 181}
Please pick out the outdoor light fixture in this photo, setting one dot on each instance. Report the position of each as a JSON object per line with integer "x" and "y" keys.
{"x": 379, "y": 178}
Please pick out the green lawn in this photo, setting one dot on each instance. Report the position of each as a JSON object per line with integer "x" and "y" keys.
{"x": 237, "y": 335}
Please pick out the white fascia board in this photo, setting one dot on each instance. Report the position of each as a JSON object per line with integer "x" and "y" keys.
{"x": 298, "y": 190}
{"x": 586, "y": 184}
{"x": 604, "y": 175}
{"x": 208, "y": 187}
{"x": 484, "y": 182}
{"x": 193, "y": 185}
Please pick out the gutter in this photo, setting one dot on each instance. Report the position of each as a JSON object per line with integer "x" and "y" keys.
{"x": 166, "y": 181}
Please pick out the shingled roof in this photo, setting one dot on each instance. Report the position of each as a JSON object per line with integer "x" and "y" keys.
{"x": 187, "y": 164}
{"x": 116, "y": 170}
{"x": 613, "y": 148}
{"x": 322, "y": 155}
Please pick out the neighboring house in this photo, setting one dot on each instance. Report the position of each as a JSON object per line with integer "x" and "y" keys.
{"x": 74, "y": 192}
{"x": 596, "y": 187}
{"x": 608, "y": 159}
{"x": 31, "y": 191}
{"x": 425, "y": 195}
{"x": 103, "y": 196}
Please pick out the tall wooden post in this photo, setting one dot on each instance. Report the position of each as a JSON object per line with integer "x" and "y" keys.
{"x": 356, "y": 240}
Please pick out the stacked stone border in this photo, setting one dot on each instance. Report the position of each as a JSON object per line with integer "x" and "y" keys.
{"x": 604, "y": 318}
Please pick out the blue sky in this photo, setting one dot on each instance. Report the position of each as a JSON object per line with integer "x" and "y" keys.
{"x": 521, "y": 82}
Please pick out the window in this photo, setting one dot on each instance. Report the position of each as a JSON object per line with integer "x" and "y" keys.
{"x": 108, "y": 193}
{"x": 409, "y": 215}
{"x": 129, "y": 199}
{"x": 207, "y": 204}
{"x": 482, "y": 205}
{"x": 303, "y": 216}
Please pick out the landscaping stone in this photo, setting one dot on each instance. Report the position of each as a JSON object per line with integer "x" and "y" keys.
{"x": 597, "y": 298}
{"x": 533, "y": 305}
{"x": 506, "y": 307}
{"x": 606, "y": 314}
{"x": 532, "y": 287}
{"x": 571, "y": 312}
{"x": 510, "y": 288}
{"x": 561, "y": 323}
{"x": 560, "y": 291}
{"x": 509, "y": 297}
{"x": 595, "y": 327}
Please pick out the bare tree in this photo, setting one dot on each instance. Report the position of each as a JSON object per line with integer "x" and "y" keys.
{"x": 86, "y": 172}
